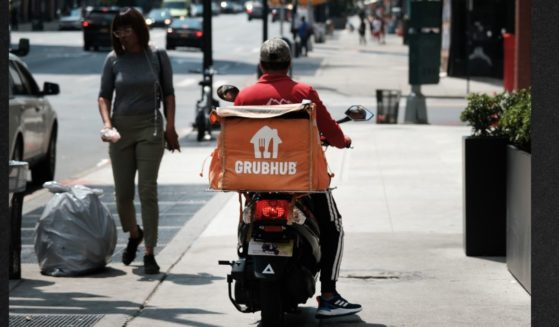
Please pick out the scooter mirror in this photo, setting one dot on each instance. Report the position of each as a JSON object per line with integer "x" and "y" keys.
{"x": 227, "y": 92}
{"x": 358, "y": 113}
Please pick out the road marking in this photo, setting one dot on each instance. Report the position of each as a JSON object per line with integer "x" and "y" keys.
{"x": 186, "y": 82}
{"x": 220, "y": 83}
{"x": 102, "y": 162}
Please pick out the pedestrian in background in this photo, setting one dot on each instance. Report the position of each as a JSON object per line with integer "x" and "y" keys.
{"x": 304, "y": 33}
{"x": 140, "y": 77}
{"x": 377, "y": 29}
{"x": 361, "y": 30}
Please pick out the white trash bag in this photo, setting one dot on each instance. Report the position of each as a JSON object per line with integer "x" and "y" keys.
{"x": 76, "y": 234}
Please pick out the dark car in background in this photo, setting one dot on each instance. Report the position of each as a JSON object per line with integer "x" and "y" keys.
{"x": 230, "y": 7}
{"x": 277, "y": 11}
{"x": 72, "y": 21}
{"x": 159, "y": 18}
{"x": 96, "y": 27}
{"x": 254, "y": 10}
{"x": 186, "y": 32}
{"x": 33, "y": 124}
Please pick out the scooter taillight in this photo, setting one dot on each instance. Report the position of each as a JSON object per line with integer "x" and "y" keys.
{"x": 271, "y": 210}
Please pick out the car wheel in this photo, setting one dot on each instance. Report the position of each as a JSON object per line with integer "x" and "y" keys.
{"x": 170, "y": 47}
{"x": 249, "y": 18}
{"x": 96, "y": 48}
{"x": 44, "y": 171}
{"x": 86, "y": 47}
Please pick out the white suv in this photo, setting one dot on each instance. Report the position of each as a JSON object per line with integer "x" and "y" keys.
{"x": 33, "y": 124}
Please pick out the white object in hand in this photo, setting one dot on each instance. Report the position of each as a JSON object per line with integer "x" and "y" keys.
{"x": 110, "y": 134}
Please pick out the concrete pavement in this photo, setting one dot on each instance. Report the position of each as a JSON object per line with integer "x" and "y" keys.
{"x": 399, "y": 191}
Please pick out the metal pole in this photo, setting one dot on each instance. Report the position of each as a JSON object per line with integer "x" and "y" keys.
{"x": 469, "y": 10}
{"x": 207, "y": 37}
{"x": 282, "y": 16}
{"x": 265, "y": 11}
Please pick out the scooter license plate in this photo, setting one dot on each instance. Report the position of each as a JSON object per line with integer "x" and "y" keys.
{"x": 274, "y": 249}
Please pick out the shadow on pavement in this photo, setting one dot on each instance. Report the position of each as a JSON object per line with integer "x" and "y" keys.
{"x": 190, "y": 279}
{"x": 177, "y": 316}
{"x": 108, "y": 272}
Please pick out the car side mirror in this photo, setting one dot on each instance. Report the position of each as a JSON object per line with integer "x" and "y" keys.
{"x": 227, "y": 92}
{"x": 50, "y": 88}
{"x": 358, "y": 113}
{"x": 22, "y": 48}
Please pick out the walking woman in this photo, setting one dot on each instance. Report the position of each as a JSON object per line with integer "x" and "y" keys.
{"x": 140, "y": 77}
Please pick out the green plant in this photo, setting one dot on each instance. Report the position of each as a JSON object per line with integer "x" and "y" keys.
{"x": 515, "y": 121}
{"x": 483, "y": 113}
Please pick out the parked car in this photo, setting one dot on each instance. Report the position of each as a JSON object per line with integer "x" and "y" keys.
{"x": 33, "y": 124}
{"x": 97, "y": 27}
{"x": 186, "y": 32}
{"x": 72, "y": 21}
{"x": 159, "y": 18}
{"x": 254, "y": 9}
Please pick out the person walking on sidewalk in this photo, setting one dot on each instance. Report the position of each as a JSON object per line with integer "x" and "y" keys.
{"x": 137, "y": 75}
{"x": 275, "y": 87}
{"x": 304, "y": 34}
{"x": 361, "y": 31}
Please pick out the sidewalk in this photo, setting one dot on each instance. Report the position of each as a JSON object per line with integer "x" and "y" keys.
{"x": 399, "y": 190}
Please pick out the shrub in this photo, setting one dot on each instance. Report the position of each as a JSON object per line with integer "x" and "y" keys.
{"x": 515, "y": 121}
{"x": 482, "y": 113}
{"x": 505, "y": 114}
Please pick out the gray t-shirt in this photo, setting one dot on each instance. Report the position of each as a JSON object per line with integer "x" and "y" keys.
{"x": 132, "y": 80}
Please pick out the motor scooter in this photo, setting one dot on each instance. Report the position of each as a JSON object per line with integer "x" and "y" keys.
{"x": 204, "y": 106}
{"x": 278, "y": 246}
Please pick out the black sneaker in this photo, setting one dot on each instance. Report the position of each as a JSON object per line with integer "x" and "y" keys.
{"x": 150, "y": 266}
{"x": 335, "y": 307}
{"x": 129, "y": 253}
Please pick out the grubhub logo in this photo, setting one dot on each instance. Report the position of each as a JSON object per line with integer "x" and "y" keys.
{"x": 265, "y": 143}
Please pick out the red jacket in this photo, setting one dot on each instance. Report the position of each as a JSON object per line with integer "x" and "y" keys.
{"x": 273, "y": 89}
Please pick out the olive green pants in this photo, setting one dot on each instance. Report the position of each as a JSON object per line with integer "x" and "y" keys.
{"x": 137, "y": 150}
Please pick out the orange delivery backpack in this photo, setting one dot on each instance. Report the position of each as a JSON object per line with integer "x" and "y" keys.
{"x": 269, "y": 148}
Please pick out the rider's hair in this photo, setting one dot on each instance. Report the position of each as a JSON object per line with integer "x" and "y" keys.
{"x": 275, "y": 66}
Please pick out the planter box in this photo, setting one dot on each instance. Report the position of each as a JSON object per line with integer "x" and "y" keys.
{"x": 484, "y": 197}
{"x": 519, "y": 216}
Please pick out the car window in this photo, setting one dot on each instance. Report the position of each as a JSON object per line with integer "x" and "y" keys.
{"x": 101, "y": 16}
{"x": 18, "y": 86}
{"x": 187, "y": 23}
{"x": 159, "y": 13}
{"x": 175, "y": 5}
{"x": 75, "y": 13}
{"x": 26, "y": 79}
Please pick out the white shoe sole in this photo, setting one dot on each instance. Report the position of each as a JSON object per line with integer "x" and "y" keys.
{"x": 336, "y": 313}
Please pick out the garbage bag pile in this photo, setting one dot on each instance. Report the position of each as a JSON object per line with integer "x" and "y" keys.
{"x": 76, "y": 234}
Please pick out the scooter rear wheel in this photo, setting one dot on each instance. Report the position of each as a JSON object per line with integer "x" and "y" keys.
{"x": 271, "y": 304}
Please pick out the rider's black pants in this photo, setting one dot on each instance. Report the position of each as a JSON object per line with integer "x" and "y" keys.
{"x": 331, "y": 239}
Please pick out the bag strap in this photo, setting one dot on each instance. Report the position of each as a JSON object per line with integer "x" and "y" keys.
{"x": 159, "y": 80}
